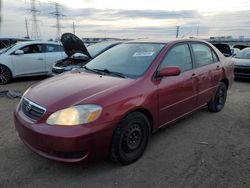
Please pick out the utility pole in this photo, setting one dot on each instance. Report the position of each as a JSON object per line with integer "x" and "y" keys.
{"x": 177, "y": 31}
{"x": 0, "y": 13}
{"x": 57, "y": 14}
{"x": 27, "y": 29}
{"x": 74, "y": 28}
{"x": 198, "y": 27}
{"x": 35, "y": 33}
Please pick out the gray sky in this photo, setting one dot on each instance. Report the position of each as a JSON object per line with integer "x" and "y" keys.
{"x": 131, "y": 18}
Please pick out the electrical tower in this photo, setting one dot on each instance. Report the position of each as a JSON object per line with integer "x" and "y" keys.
{"x": 57, "y": 14}
{"x": 35, "y": 32}
{"x": 27, "y": 29}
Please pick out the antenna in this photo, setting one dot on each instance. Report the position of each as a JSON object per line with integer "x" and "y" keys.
{"x": 35, "y": 33}
{"x": 57, "y": 14}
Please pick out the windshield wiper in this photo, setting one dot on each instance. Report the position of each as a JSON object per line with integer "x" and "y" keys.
{"x": 106, "y": 71}
{"x": 92, "y": 70}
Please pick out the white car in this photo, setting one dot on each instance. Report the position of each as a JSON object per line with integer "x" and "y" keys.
{"x": 30, "y": 58}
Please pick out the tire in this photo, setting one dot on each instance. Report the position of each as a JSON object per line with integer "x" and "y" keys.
{"x": 5, "y": 75}
{"x": 218, "y": 101}
{"x": 130, "y": 138}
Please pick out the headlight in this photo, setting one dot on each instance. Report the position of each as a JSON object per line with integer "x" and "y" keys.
{"x": 75, "y": 115}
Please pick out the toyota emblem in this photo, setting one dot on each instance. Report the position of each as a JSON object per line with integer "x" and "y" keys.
{"x": 28, "y": 107}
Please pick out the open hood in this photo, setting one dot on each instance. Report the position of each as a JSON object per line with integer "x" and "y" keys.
{"x": 72, "y": 44}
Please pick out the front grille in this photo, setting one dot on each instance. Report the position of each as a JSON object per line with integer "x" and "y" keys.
{"x": 243, "y": 69}
{"x": 32, "y": 110}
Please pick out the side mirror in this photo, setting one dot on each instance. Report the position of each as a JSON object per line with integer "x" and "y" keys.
{"x": 80, "y": 56}
{"x": 19, "y": 52}
{"x": 169, "y": 71}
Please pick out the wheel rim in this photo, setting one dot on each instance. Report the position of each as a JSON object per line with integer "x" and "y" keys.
{"x": 4, "y": 75}
{"x": 221, "y": 96}
{"x": 132, "y": 138}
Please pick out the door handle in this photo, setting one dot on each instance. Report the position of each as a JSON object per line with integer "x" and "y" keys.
{"x": 40, "y": 59}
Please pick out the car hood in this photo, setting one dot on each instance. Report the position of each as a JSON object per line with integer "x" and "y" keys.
{"x": 72, "y": 44}
{"x": 241, "y": 62}
{"x": 70, "y": 89}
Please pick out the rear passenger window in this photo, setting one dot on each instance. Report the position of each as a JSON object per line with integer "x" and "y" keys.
{"x": 53, "y": 48}
{"x": 203, "y": 54}
{"x": 178, "y": 56}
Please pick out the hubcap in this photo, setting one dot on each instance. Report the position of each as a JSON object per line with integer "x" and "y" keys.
{"x": 4, "y": 75}
{"x": 221, "y": 97}
{"x": 132, "y": 138}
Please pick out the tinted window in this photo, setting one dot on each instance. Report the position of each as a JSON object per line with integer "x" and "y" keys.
{"x": 53, "y": 48}
{"x": 34, "y": 48}
{"x": 131, "y": 59}
{"x": 202, "y": 54}
{"x": 4, "y": 43}
{"x": 178, "y": 56}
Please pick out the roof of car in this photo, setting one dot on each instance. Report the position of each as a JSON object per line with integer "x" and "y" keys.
{"x": 164, "y": 41}
{"x": 38, "y": 42}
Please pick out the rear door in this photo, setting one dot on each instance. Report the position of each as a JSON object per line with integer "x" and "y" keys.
{"x": 32, "y": 62}
{"x": 177, "y": 94}
{"x": 208, "y": 71}
{"x": 53, "y": 53}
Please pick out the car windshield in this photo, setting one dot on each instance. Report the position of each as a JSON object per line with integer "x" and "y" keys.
{"x": 95, "y": 49}
{"x": 243, "y": 54}
{"x": 130, "y": 60}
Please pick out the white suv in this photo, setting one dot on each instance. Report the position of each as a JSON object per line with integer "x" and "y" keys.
{"x": 30, "y": 58}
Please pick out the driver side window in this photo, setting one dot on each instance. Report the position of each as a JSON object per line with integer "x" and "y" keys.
{"x": 30, "y": 49}
{"x": 178, "y": 56}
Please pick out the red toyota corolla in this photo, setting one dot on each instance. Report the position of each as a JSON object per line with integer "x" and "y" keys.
{"x": 111, "y": 106}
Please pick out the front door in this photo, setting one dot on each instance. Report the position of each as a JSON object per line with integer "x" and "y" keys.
{"x": 177, "y": 95}
{"x": 32, "y": 62}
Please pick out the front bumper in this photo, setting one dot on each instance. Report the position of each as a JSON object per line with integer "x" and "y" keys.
{"x": 242, "y": 71}
{"x": 65, "y": 144}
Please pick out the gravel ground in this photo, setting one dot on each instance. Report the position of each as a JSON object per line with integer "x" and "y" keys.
{"x": 202, "y": 150}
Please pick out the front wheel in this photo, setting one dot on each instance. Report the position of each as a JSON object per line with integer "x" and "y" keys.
{"x": 130, "y": 138}
{"x": 5, "y": 75}
{"x": 218, "y": 101}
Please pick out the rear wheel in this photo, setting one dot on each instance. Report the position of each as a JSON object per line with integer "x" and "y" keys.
{"x": 218, "y": 101}
{"x": 130, "y": 138}
{"x": 5, "y": 75}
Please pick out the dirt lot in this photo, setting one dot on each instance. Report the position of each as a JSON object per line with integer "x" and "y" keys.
{"x": 202, "y": 150}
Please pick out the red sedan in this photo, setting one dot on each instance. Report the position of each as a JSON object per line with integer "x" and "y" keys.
{"x": 111, "y": 106}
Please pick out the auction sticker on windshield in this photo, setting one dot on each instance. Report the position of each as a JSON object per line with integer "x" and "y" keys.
{"x": 143, "y": 54}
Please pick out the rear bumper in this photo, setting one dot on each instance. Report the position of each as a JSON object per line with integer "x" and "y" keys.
{"x": 65, "y": 144}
